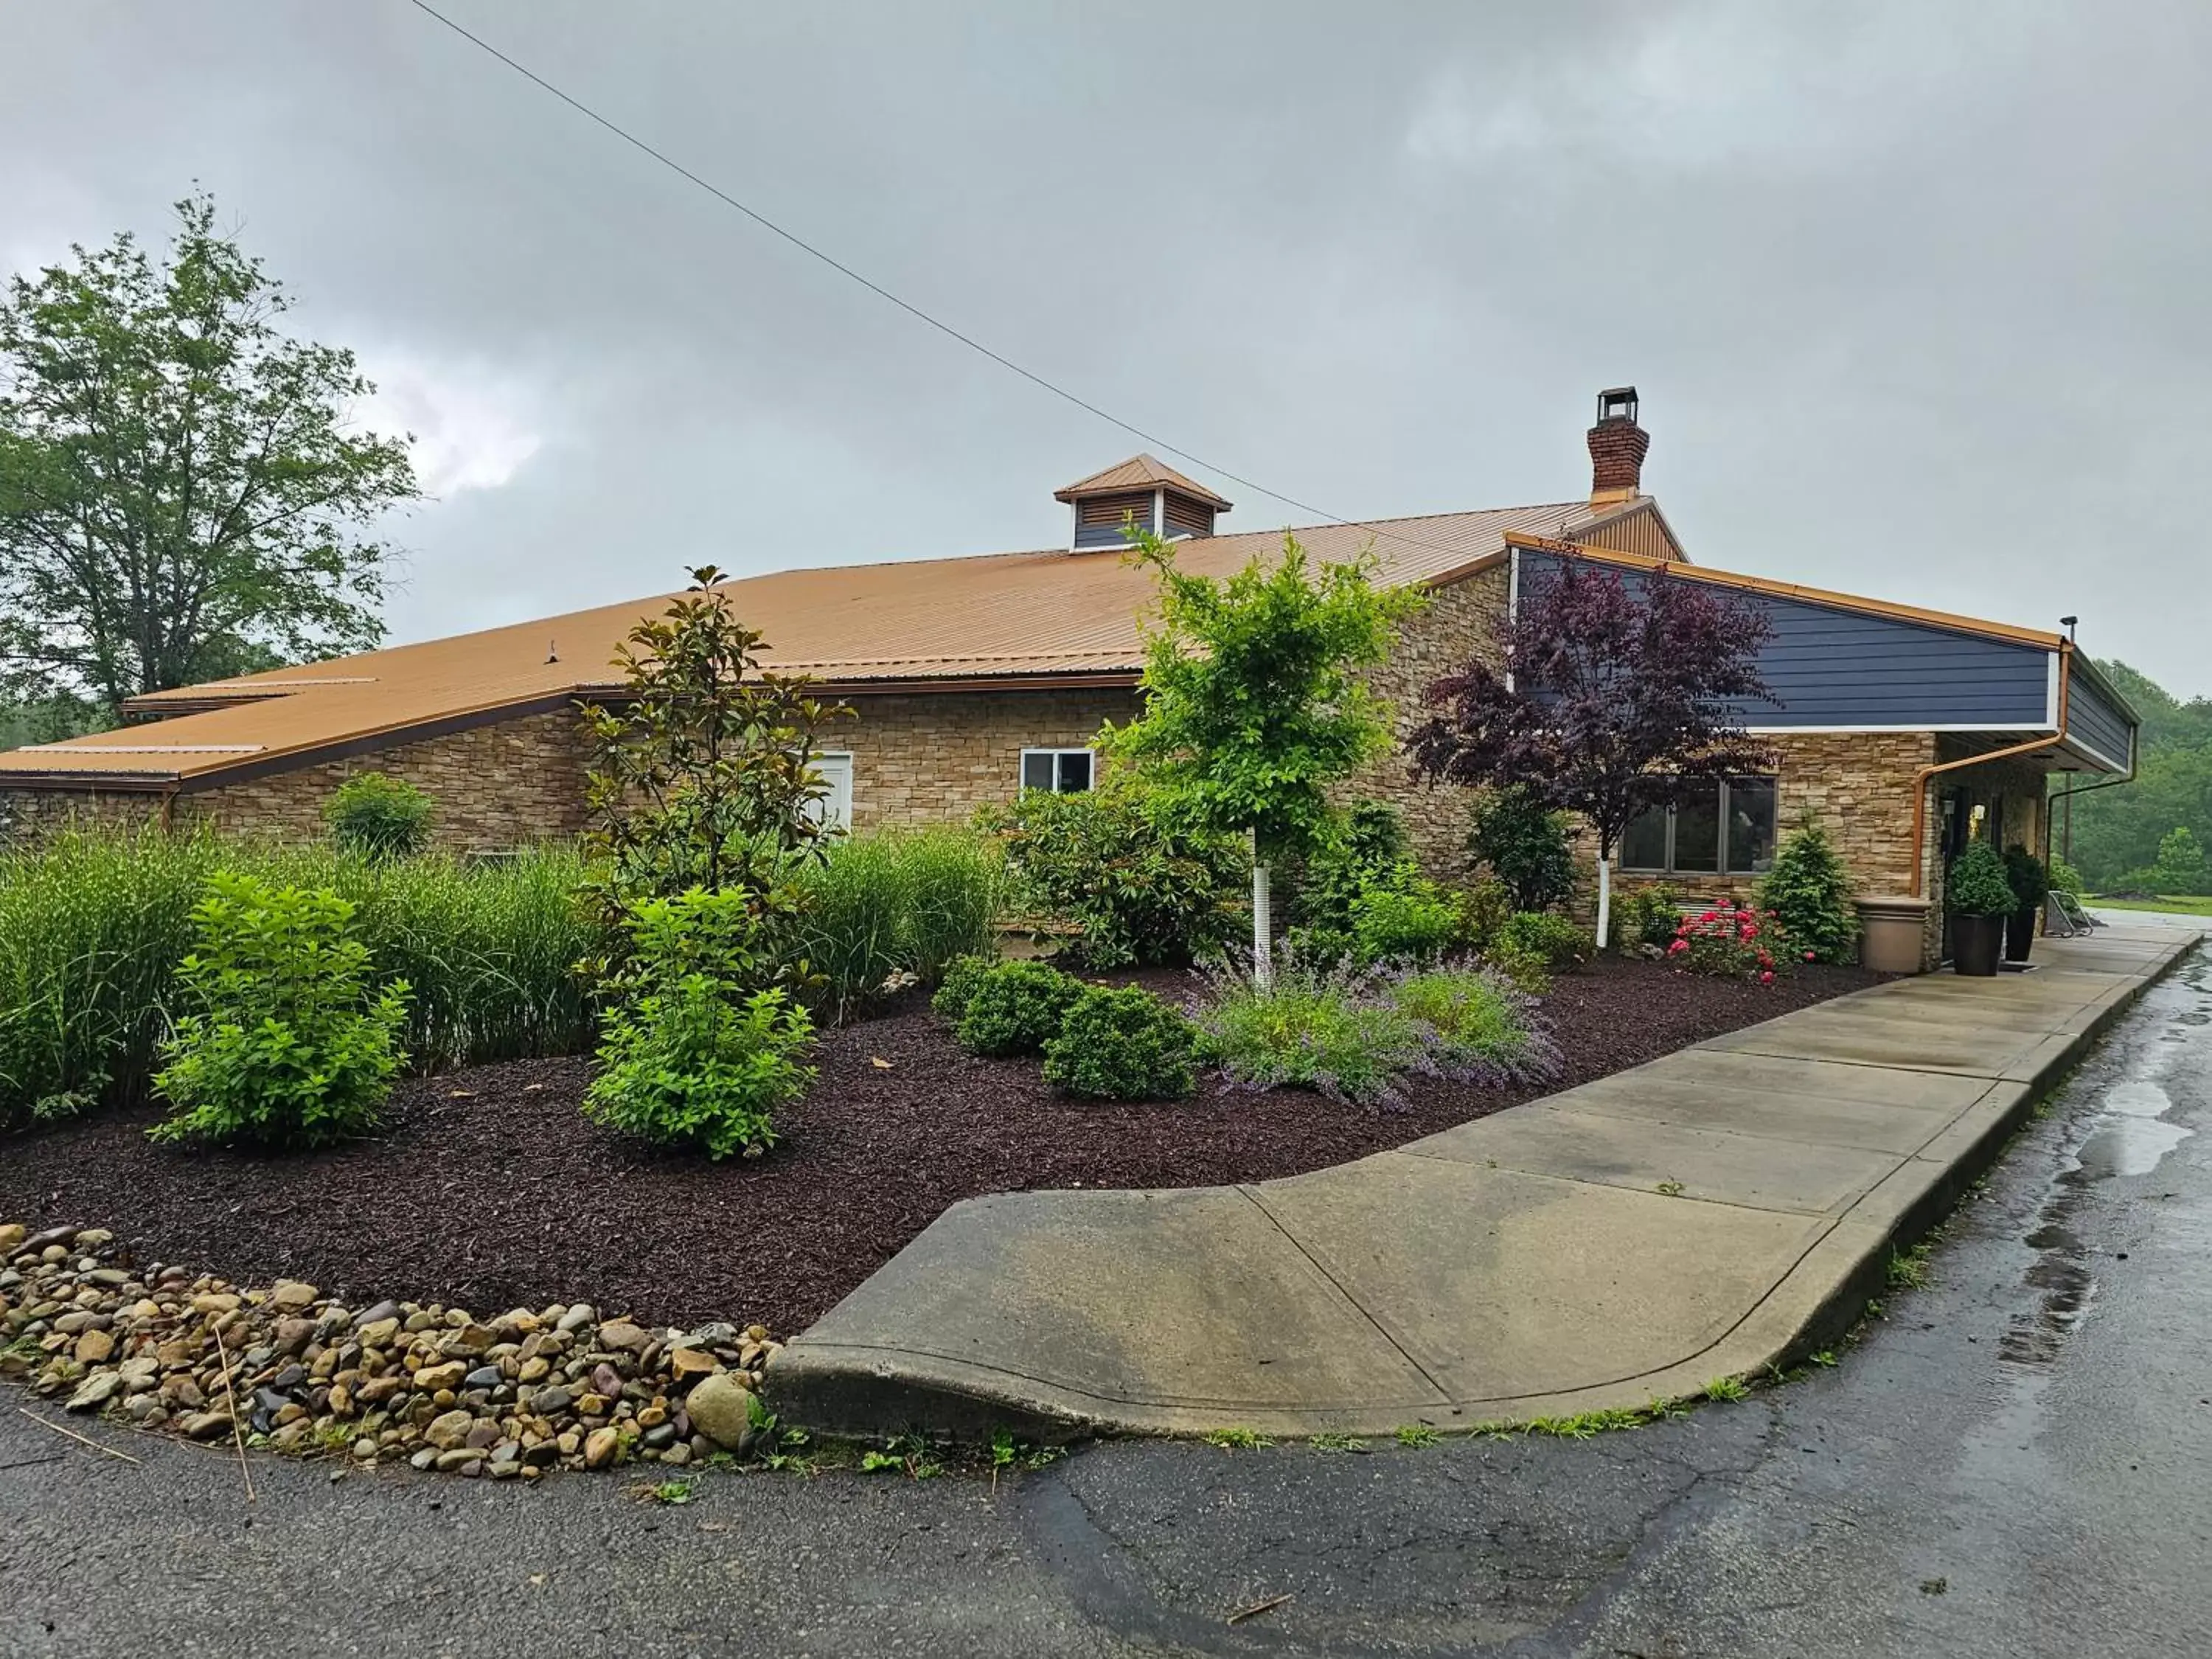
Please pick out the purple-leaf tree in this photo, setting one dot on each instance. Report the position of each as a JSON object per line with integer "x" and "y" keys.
{"x": 1606, "y": 698}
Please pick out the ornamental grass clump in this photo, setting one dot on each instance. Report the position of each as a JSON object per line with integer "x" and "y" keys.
{"x": 1732, "y": 941}
{"x": 1123, "y": 1044}
{"x": 691, "y": 1051}
{"x": 893, "y": 903}
{"x": 1529, "y": 947}
{"x": 379, "y": 815}
{"x": 290, "y": 1042}
{"x": 94, "y": 923}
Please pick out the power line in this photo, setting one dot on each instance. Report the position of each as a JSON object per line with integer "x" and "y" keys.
{"x": 881, "y": 292}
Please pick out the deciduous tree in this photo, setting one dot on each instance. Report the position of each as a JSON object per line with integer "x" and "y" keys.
{"x": 1255, "y": 696}
{"x": 182, "y": 496}
{"x": 1604, "y": 699}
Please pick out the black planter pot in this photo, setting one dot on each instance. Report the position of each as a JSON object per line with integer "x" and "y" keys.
{"x": 1976, "y": 943}
{"x": 2019, "y": 934}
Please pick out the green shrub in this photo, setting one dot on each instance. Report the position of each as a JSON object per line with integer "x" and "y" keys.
{"x": 288, "y": 1044}
{"x": 1525, "y": 845}
{"x": 1531, "y": 945}
{"x": 962, "y": 975}
{"x": 1484, "y": 907}
{"x": 1412, "y": 919}
{"x": 379, "y": 815}
{"x": 689, "y": 1054}
{"x": 2026, "y": 875}
{"x": 1121, "y": 1044}
{"x": 1015, "y": 1008}
{"x": 1120, "y": 864}
{"x": 2065, "y": 879}
{"x": 1977, "y": 886}
{"x": 1649, "y": 915}
{"x": 1480, "y": 1026}
{"x": 898, "y": 901}
{"x": 1729, "y": 941}
{"x": 1321, "y": 1027}
{"x": 93, "y": 924}
{"x": 1810, "y": 892}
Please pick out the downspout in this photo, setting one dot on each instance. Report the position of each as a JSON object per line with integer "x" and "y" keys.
{"x": 1920, "y": 779}
{"x": 2135, "y": 747}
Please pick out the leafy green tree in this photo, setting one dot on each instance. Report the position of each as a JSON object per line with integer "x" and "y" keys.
{"x": 1256, "y": 698}
{"x": 2178, "y": 851}
{"x": 703, "y": 773}
{"x": 182, "y": 496}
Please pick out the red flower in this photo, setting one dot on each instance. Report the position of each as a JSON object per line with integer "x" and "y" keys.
{"x": 1808, "y": 956}
{"x": 1767, "y": 978}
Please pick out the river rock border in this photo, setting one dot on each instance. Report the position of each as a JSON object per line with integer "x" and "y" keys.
{"x": 508, "y": 1397}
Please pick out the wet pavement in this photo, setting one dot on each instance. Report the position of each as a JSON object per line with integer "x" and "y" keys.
{"x": 2016, "y": 1460}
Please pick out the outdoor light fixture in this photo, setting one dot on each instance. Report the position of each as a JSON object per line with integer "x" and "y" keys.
{"x": 2068, "y": 623}
{"x": 1617, "y": 402}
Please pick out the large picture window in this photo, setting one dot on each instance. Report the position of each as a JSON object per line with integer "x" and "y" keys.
{"x": 1716, "y": 828}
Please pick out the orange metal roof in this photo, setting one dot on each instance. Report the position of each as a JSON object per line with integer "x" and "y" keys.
{"x": 1994, "y": 631}
{"x": 1138, "y": 472}
{"x": 1047, "y": 618}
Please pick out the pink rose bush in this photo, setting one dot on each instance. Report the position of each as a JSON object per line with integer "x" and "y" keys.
{"x": 1734, "y": 942}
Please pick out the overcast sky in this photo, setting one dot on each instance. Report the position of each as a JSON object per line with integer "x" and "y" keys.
{"x": 1915, "y": 294}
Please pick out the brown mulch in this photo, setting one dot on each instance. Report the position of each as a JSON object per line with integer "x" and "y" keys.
{"x": 490, "y": 1191}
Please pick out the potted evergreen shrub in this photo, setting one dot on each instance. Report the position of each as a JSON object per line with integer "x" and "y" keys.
{"x": 2029, "y": 881}
{"x": 1980, "y": 900}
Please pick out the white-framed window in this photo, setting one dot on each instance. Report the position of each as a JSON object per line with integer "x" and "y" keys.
{"x": 1717, "y": 827}
{"x": 1061, "y": 771}
{"x": 835, "y": 770}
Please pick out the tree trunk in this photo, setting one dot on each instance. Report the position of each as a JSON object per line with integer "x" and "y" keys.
{"x": 1604, "y": 896}
{"x": 1263, "y": 928}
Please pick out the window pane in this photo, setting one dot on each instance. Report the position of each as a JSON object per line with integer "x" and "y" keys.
{"x": 1036, "y": 769}
{"x": 1698, "y": 829}
{"x": 1643, "y": 843}
{"x": 1074, "y": 771}
{"x": 1751, "y": 825}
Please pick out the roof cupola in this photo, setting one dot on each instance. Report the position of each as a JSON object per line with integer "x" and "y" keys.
{"x": 1148, "y": 492}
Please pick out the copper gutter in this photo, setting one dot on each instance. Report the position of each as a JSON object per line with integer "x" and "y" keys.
{"x": 1920, "y": 779}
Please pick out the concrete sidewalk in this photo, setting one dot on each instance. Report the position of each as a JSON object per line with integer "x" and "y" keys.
{"x": 1700, "y": 1217}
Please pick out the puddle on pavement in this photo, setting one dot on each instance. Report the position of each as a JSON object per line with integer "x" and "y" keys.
{"x": 2125, "y": 1132}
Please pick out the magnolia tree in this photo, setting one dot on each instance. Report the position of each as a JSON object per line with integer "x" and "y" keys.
{"x": 1605, "y": 699}
{"x": 1255, "y": 700}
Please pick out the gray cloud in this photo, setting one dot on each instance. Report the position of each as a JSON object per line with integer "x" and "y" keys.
{"x": 1912, "y": 292}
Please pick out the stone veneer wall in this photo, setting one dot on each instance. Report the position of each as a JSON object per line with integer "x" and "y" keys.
{"x": 1460, "y": 623}
{"x": 935, "y": 756}
{"x": 923, "y": 758}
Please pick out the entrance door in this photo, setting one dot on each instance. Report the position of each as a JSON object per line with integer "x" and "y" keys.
{"x": 1961, "y": 816}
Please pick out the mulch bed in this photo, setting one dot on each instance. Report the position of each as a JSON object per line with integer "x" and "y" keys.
{"x": 491, "y": 1191}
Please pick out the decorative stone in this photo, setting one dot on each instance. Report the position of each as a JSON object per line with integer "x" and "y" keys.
{"x": 431, "y": 1378}
{"x": 205, "y": 1426}
{"x": 600, "y": 1447}
{"x": 622, "y": 1336}
{"x": 721, "y": 1407}
{"x": 292, "y": 1295}
{"x": 689, "y": 1364}
{"x": 94, "y": 1391}
{"x": 93, "y": 1346}
{"x": 449, "y": 1431}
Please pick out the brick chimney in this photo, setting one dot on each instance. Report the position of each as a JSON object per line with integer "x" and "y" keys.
{"x": 1617, "y": 448}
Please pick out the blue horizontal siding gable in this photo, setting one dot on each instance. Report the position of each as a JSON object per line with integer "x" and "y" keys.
{"x": 2094, "y": 720}
{"x": 1833, "y": 667}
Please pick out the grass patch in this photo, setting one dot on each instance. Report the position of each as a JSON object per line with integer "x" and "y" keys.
{"x": 1237, "y": 1439}
{"x": 1725, "y": 1389}
{"x": 1336, "y": 1443}
{"x": 2178, "y": 904}
{"x": 1417, "y": 1434}
{"x": 1909, "y": 1269}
